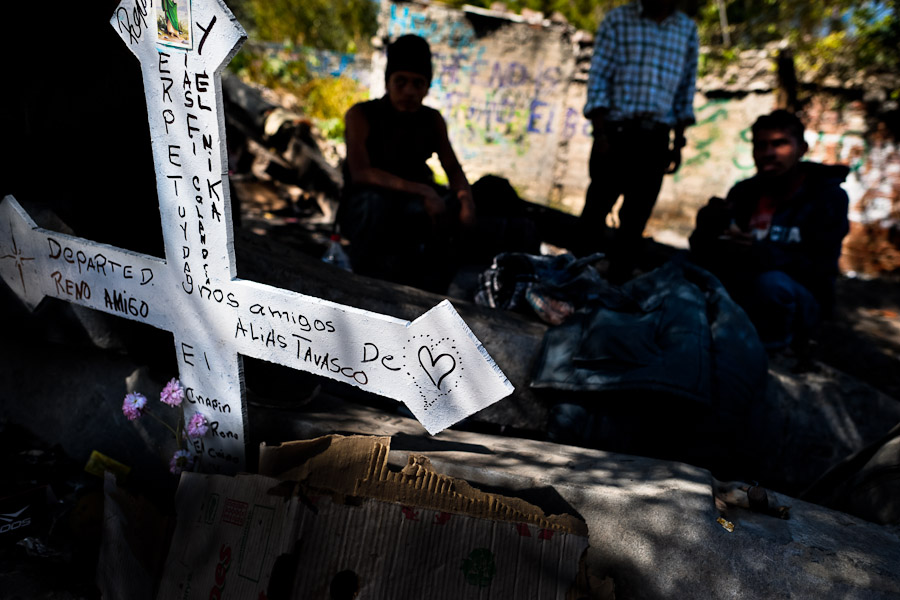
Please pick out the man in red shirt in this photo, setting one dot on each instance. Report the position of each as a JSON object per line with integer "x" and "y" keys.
{"x": 775, "y": 241}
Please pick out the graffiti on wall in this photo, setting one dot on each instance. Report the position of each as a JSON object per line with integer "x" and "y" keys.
{"x": 496, "y": 102}
{"x": 452, "y": 33}
{"x": 705, "y": 133}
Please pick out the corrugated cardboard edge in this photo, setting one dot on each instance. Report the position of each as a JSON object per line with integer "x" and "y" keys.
{"x": 357, "y": 466}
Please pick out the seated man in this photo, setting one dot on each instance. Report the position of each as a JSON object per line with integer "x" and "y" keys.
{"x": 775, "y": 241}
{"x": 401, "y": 225}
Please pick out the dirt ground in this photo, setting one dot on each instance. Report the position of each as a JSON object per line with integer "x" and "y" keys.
{"x": 863, "y": 336}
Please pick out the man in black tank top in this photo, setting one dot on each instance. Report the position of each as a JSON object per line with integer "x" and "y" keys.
{"x": 402, "y": 225}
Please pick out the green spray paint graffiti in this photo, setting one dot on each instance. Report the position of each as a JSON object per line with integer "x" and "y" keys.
{"x": 707, "y": 143}
{"x": 706, "y": 136}
{"x": 497, "y": 120}
{"x": 743, "y": 151}
{"x": 719, "y": 114}
{"x": 706, "y": 126}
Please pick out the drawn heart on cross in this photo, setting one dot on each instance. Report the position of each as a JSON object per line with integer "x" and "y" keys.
{"x": 437, "y": 368}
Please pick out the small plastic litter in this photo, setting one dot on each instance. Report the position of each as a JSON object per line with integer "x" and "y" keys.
{"x": 99, "y": 463}
{"x": 727, "y": 525}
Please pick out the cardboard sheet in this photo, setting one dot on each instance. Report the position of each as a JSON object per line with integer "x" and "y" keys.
{"x": 338, "y": 523}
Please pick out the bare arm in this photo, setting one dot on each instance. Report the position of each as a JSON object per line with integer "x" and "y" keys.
{"x": 455, "y": 175}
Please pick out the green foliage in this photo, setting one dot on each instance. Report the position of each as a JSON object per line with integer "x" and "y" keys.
{"x": 583, "y": 14}
{"x": 283, "y": 69}
{"x": 878, "y": 35}
{"x": 325, "y": 100}
{"x": 338, "y": 25}
{"x": 754, "y": 23}
{"x": 825, "y": 52}
{"x": 330, "y": 98}
{"x": 825, "y": 35}
{"x": 335, "y": 25}
{"x": 715, "y": 60}
{"x": 332, "y": 129}
{"x": 857, "y": 33}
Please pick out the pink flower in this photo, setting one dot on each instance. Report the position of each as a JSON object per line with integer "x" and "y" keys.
{"x": 182, "y": 460}
{"x": 172, "y": 394}
{"x": 133, "y": 406}
{"x": 197, "y": 426}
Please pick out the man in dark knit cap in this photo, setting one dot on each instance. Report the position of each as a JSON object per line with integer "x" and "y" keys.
{"x": 400, "y": 223}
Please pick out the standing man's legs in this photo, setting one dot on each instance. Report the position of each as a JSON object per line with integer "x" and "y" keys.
{"x": 606, "y": 185}
{"x": 646, "y": 152}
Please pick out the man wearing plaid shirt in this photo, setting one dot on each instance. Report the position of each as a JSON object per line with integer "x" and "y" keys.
{"x": 640, "y": 92}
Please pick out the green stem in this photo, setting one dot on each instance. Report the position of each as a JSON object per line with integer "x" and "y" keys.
{"x": 167, "y": 426}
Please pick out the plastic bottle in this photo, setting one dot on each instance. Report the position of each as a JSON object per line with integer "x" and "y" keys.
{"x": 335, "y": 255}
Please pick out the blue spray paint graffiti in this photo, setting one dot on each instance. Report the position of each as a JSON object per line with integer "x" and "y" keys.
{"x": 455, "y": 34}
{"x": 322, "y": 63}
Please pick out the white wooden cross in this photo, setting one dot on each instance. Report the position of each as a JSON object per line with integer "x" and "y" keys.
{"x": 435, "y": 365}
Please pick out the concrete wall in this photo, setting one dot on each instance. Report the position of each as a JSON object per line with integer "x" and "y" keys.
{"x": 718, "y": 155}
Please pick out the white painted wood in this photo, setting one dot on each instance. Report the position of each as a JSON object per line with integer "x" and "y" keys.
{"x": 435, "y": 365}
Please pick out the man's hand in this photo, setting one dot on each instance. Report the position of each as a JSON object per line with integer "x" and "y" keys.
{"x": 734, "y": 235}
{"x": 673, "y": 159}
{"x": 466, "y": 208}
{"x": 433, "y": 203}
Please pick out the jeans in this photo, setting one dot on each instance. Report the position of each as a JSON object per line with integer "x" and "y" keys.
{"x": 393, "y": 238}
{"x": 628, "y": 161}
{"x": 781, "y": 309}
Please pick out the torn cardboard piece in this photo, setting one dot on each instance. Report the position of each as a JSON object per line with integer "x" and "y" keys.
{"x": 351, "y": 528}
{"x": 398, "y": 551}
{"x": 358, "y": 466}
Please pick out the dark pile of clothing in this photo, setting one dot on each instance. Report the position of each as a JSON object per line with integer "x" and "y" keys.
{"x": 552, "y": 287}
{"x": 632, "y": 368}
{"x": 673, "y": 330}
